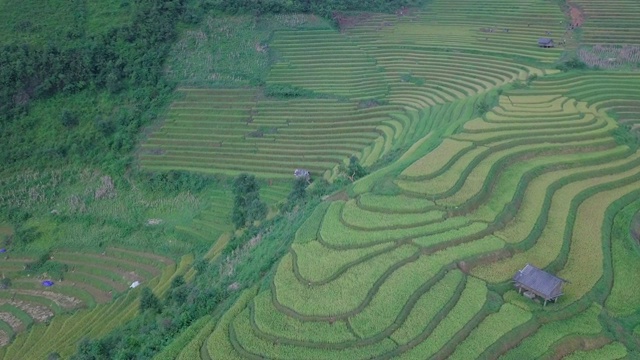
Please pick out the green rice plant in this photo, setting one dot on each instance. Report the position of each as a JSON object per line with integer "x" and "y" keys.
{"x": 192, "y": 349}
{"x": 507, "y": 188}
{"x": 452, "y": 234}
{"x": 218, "y": 344}
{"x": 622, "y": 300}
{"x": 355, "y": 217}
{"x": 490, "y": 330}
{"x": 427, "y": 307}
{"x": 317, "y": 263}
{"x": 393, "y": 203}
{"x": 33, "y": 339}
{"x": 268, "y": 320}
{"x": 438, "y": 158}
{"x": 309, "y": 230}
{"x": 247, "y": 343}
{"x": 334, "y": 233}
{"x": 470, "y": 303}
{"x": 612, "y": 351}
{"x": 340, "y": 296}
{"x": 547, "y": 248}
{"x": 585, "y": 254}
{"x": 537, "y": 344}
{"x": 392, "y": 296}
{"x": 175, "y": 347}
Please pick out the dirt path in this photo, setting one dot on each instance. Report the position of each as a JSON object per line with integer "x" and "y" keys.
{"x": 576, "y": 14}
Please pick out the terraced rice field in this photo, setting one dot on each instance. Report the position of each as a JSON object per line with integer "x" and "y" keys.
{"x": 610, "y": 22}
{"x": 505, "y": 161}
{"x": 92, "y": 299}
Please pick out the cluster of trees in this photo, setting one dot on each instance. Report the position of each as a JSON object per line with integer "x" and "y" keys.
{"x": 320, "y": 7}
{"x": 125, "y": 61}
{"x": 247, "y": 206}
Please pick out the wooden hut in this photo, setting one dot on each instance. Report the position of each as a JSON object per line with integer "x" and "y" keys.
{"x": 537, "y": 282}
{"x": 545, "y": 43}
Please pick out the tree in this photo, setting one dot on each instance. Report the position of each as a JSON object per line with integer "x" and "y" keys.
{"x": 298, "y": 193}
{"x": 247, "y": 206}
{"x": 355, "y": 170}
{"x": 149, "y": 301}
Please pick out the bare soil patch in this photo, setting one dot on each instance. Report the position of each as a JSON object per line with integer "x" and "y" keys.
{"x": 38, "y": 313}
{"x": 12, "y": 320}
{"x": 346, "y": 22}
{"x": 576, "y": 14}
{"x": 64, "y": 301}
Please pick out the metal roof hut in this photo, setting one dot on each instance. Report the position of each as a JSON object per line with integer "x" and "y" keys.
{"x": 538, "y": 282}
{"x": 545, "y": 43}
{"x": 301, "y": 173}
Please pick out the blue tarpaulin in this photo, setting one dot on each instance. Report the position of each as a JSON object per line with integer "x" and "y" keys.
{"x": 3, "y": 250}
{"x": 47, "y": 283}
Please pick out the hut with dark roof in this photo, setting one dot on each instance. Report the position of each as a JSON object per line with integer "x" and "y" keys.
{"x": 545, "y": 43}
{"x": 537, "y": 282}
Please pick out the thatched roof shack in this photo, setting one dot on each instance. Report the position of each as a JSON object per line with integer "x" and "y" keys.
{"x": 545, "y": 43}
{"x": 537, "y": 282}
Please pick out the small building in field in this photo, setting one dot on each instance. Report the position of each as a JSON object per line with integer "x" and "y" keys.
{"x": 545, "y": 43}
{"x": 302, "y": 173}
{"x": 537, "y": 282}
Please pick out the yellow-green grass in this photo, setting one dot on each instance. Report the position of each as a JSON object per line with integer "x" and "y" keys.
{"x": 427, "y": 307}
{"x": 395, "y": 292}
{"x": 612, "y": 351}
{"x": 468, "y": 305}
{"x": 315, "y": 262}
{"x": 340, "y": 296}
{"x": 393, "y": 203}
{"x": 270, "y": 321}
{"x": 334, "y": 233}
{"x": 490, "y": 330}
{"x": 355, "y": 217}
{"x": 535, "y": 345}
{"x": 548, "y": 246}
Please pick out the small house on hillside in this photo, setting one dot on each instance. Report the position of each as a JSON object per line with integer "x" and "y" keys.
{"x": 537, "y": 282}
{"x": 545, "y": 43}
{"x": 301, "y": 173}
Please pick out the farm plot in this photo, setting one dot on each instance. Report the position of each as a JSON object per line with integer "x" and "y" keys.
{"x": 229, "y": 131}
{"x": 609, "y": 22}
{"x": 416, "y": 264}
{"x": 85, "y": 291}
{"x": 63, "y": 332}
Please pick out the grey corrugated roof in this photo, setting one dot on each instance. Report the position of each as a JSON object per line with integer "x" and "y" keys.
{"x": 538, "y": 280}
{"x": 544, "y": 41}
